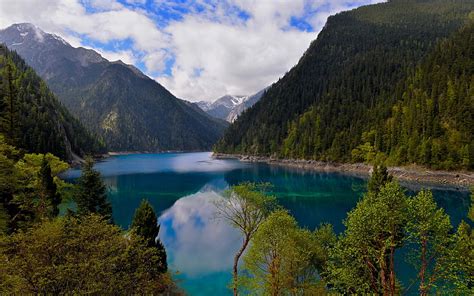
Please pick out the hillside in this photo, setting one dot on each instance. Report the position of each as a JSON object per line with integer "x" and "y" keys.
{"x": 347, "y": 83}
{"x": 33, "y": 119}
{"x": 126, "y": 108}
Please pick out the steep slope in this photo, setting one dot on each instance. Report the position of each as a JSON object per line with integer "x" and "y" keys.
{"x": 358, "y": 62}
{"x": 128, "y": 109}
{"x": 32, "y": 118}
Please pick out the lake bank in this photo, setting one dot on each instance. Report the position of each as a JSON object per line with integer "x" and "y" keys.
{"x": 404, "y": 174}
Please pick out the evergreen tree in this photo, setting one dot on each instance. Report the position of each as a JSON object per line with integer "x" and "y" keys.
{"x": 379, "y": 178}
{"x": 145, "y": 224}
{"x": 92, "y": 192}
{"x": 48, "y": 190}
{"x": 9, "y": 118}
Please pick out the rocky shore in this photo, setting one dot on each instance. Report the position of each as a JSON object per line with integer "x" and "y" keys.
{"x": 410, "y": 174}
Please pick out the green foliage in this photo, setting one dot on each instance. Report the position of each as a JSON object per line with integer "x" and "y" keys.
{"x": 378, "y": 179}
{"x": 428, "y": 231}
{"x": 378, "y": 83}
{"x": 283, "y": 259}
{"x": 79, "y": 256}
{"x": 460, "y": 271}
{"x": 91, "y": 197}
{"x": 145, "y": 224}
{"x": 30, "y": 187}
{"x": 245, "y": 207}
{"x": 362, "y": 260}
{"x": 31, "y": 117}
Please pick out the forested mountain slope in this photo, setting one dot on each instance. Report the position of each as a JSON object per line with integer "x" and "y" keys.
{"x": 32, "y": 118}
{"x": 128, "y": 109}
{"x": 345, "y": 86}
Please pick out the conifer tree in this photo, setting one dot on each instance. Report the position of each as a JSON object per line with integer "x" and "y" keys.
{"x": 48, "y": 190}
{"x": 379, "y": 178}
{"x": 92, "y": 192}
{"x": 145, "y": 224}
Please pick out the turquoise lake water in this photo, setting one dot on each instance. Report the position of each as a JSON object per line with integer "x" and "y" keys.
{"x": 183, "y": 186}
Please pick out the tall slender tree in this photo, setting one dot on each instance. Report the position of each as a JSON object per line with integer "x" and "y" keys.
{"x": 145, "y": 224}
{"x": 49, "y": 198}
{"x": 92, "y": 192}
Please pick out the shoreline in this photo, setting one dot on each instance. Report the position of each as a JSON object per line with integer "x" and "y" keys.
{"x": 409, "y": 174}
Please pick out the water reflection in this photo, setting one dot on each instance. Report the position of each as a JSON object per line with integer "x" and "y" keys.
{"x": 199, "y": 246}
{"x": 182, "y": 187}
{"x": 163, "y": 162}
{"x": 200, "y": 243}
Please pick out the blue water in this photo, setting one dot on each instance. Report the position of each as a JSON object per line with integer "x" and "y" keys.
{"x": 183, "y": 186}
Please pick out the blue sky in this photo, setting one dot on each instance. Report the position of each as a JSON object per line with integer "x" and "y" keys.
{"x": 198, "y": 49}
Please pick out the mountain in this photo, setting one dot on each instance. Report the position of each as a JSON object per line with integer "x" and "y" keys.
{"x": 221, "y": 107}
{"x": 33, "y": 119}
{"x": 126, "y": 108}
{"x": 229, "y": 107}
{"x": 247, "y": 102}
{"x": 341, "y": 94}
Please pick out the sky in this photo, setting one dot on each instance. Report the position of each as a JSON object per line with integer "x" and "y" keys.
{"x": 197, "y": 49}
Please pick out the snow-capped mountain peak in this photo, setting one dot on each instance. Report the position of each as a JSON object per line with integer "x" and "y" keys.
{"x": 229, "y": 107}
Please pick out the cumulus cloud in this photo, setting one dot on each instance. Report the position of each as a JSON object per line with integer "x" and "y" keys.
{"x": 198, "y": 49}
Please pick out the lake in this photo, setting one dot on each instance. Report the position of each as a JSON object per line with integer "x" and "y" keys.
{"x": 182, "y": 187}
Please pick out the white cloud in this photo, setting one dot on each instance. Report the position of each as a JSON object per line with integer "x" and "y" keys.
{"x": 215, "y": 52}
{"x": 190, "y": 230}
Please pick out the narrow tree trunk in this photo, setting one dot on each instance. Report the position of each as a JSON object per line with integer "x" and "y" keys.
{"x": 236, "y": 262}
{"x": 275, "y": 282}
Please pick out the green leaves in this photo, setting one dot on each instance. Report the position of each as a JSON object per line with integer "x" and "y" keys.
{"x": 79, "y": 256}
{"x": 283, "y": 259}
{"x": 145, "y": 224}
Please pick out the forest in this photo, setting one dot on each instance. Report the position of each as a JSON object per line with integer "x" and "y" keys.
{"x": 47, "y": 248}
{"x": 389, "y": 82}
{"x": 32, "y": 118}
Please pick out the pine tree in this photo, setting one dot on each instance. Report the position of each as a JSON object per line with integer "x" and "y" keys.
{"x": 379, "y": 178}
{"x": 48, "y": 190}
{"x": 9, "y": 120}
{"x": 145, "y": 224}
{"x": 92, "y": 192}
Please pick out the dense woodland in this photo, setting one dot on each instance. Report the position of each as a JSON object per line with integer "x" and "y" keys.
{"x": 380, "y": 82}
{"x": 32, "y": 118}
{"x": 78, "y": 251}
{"x": 385, "y": 227}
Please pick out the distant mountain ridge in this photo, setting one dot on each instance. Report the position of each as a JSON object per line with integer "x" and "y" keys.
{"x": 229, "y": 107}
{"x": 130, "y": 111}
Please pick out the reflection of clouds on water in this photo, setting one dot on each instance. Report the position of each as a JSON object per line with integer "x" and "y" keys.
{"x": 159, "y": 163}
{"x": 197, "y": 243}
